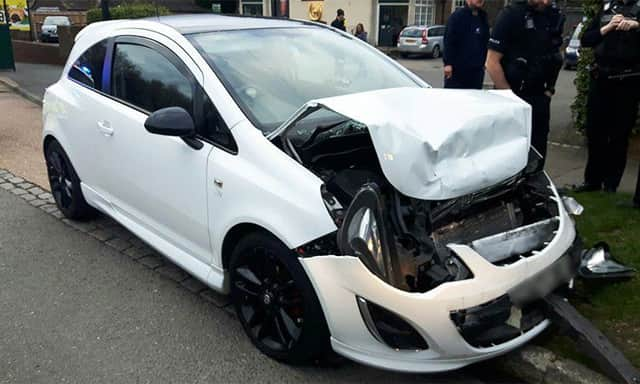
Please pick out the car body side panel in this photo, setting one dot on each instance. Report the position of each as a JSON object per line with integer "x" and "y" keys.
{"x": 265, "y": 187}
{"x": 70, "y": 113}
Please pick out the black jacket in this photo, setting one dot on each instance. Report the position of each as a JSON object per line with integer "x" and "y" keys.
{"x": 465, "y": 39}
{"x": 338, "y": 24}
{"x": 616, "y": 48}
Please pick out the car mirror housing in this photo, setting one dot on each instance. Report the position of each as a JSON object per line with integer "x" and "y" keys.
{"x": 172, "y": 121}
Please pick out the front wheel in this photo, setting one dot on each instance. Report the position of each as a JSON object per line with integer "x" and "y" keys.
{"x": 275, "y": 301}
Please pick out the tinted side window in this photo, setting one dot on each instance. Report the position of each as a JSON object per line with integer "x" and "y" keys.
{"x": 147, "y": 79}
{"x": 88, "y": 68}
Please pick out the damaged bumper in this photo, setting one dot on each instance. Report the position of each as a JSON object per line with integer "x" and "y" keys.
{"x": 460, "y": 322}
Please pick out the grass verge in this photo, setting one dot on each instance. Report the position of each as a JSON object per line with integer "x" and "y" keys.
{"x": 613, "y": 307}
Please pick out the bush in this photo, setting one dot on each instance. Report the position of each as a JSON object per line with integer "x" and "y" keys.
{"x": 128, "y": 11}
{"x": 579, "y": 106}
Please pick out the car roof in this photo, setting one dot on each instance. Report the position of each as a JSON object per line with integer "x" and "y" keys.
{"x": 197, "y": 23}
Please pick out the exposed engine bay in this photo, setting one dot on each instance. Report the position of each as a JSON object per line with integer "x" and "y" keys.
{"x": 404, "y": 240}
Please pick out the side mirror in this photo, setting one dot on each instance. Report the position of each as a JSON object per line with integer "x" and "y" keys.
{"x": 173, "y": 121}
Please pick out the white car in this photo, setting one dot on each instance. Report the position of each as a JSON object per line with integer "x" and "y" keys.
{"x": 49, "y": 32}
{"x": 291, "y": 166}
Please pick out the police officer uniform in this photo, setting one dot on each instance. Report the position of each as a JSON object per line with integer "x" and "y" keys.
{"x": 614, "y": 90}
{"x": 525, "y": 38}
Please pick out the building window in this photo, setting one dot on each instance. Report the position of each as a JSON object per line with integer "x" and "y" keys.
{"x": 458, "y": 4}
{"x": 424, "y": 12}
{"x": 252, "y": 8}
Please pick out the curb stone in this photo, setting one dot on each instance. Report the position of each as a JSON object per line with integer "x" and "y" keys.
{"x": 537, "y": 365}
{"x": 13, "y": 86}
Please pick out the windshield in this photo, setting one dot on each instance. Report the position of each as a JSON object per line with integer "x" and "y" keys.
{"x": 56, "y": 20}
{"x": 271, "y": 73}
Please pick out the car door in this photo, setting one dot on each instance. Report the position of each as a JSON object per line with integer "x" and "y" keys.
{"x": 156, "y": 183}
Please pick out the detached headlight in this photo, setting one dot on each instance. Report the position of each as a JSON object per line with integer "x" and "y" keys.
{"x": 364, "y": 234}
{"x": 572, "y": 206}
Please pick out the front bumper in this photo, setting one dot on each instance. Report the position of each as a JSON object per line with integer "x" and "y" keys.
{"x": 338, "y": 280}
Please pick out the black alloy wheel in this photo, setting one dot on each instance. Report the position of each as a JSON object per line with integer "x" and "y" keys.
{"x": 275, "y": 301}
{"x": 65, "y": 184}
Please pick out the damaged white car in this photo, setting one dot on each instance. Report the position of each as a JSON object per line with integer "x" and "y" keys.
{"x": 340, "y": 201}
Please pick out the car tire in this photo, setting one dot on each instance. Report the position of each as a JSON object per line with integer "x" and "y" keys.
{"x": 275, "y": 301}
{"x": 65, "y": 184}
{"x": 435, "y": 53}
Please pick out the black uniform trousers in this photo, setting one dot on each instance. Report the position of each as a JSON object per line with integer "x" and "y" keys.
{"x": 465, "y": 78}
{"x": 612, "y": 108}
{"x": 541, "y": 114}
{"x": 636, "y": 198}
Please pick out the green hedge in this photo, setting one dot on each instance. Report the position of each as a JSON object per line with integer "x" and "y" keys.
{"x": 579, "y": 106}
{"x": 127, "y": 11}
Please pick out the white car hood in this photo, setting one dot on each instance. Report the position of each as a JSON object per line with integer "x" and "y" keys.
{"x": 436, "y": 144}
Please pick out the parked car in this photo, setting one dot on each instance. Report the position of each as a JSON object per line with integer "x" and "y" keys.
{"x": 421, "y": 39}
{"x": 572, "y": 51}
{"x": 49, "y": 32}
{"x": 283, "y": 163}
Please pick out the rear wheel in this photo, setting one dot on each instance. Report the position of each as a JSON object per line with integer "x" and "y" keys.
{"x": 65, "y": 184}
{"x": 436, "y": 52}
{"x": 275, "y": 300}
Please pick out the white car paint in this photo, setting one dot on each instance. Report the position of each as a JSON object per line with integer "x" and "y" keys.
{"x": 185, "y": 202}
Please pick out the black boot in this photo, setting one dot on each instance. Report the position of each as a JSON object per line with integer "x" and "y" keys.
{"x": 584, "y": 187}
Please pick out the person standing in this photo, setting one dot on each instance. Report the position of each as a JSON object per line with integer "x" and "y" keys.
{"x": 339, "y": 21}
{"x": 465, "y": 46}
{"x": 614, "y": 89}
{"x": 521, "y": 57}
{"x": 361, "y": 33}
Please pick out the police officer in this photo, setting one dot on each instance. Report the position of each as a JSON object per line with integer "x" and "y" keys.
{"x": 522, "y": 56}
{"x": 465, "y": 46}
{"x": 612, "y": 102}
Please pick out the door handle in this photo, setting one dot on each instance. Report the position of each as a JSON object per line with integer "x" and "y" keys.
{"x": 105, "y": 128}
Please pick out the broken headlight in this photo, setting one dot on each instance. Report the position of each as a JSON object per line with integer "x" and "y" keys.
{"x": 365, "y": 235}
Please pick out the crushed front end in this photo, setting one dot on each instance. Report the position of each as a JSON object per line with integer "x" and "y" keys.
{"x": 427, "y": 286}
{"x": 448, "y": 235}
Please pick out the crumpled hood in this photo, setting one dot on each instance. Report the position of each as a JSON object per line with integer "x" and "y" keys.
{"x": 437, "y": 144}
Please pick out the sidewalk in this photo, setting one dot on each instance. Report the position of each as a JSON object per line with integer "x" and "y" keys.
{"x": 20, "y": 133}
{"x": 34, "y": 78}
